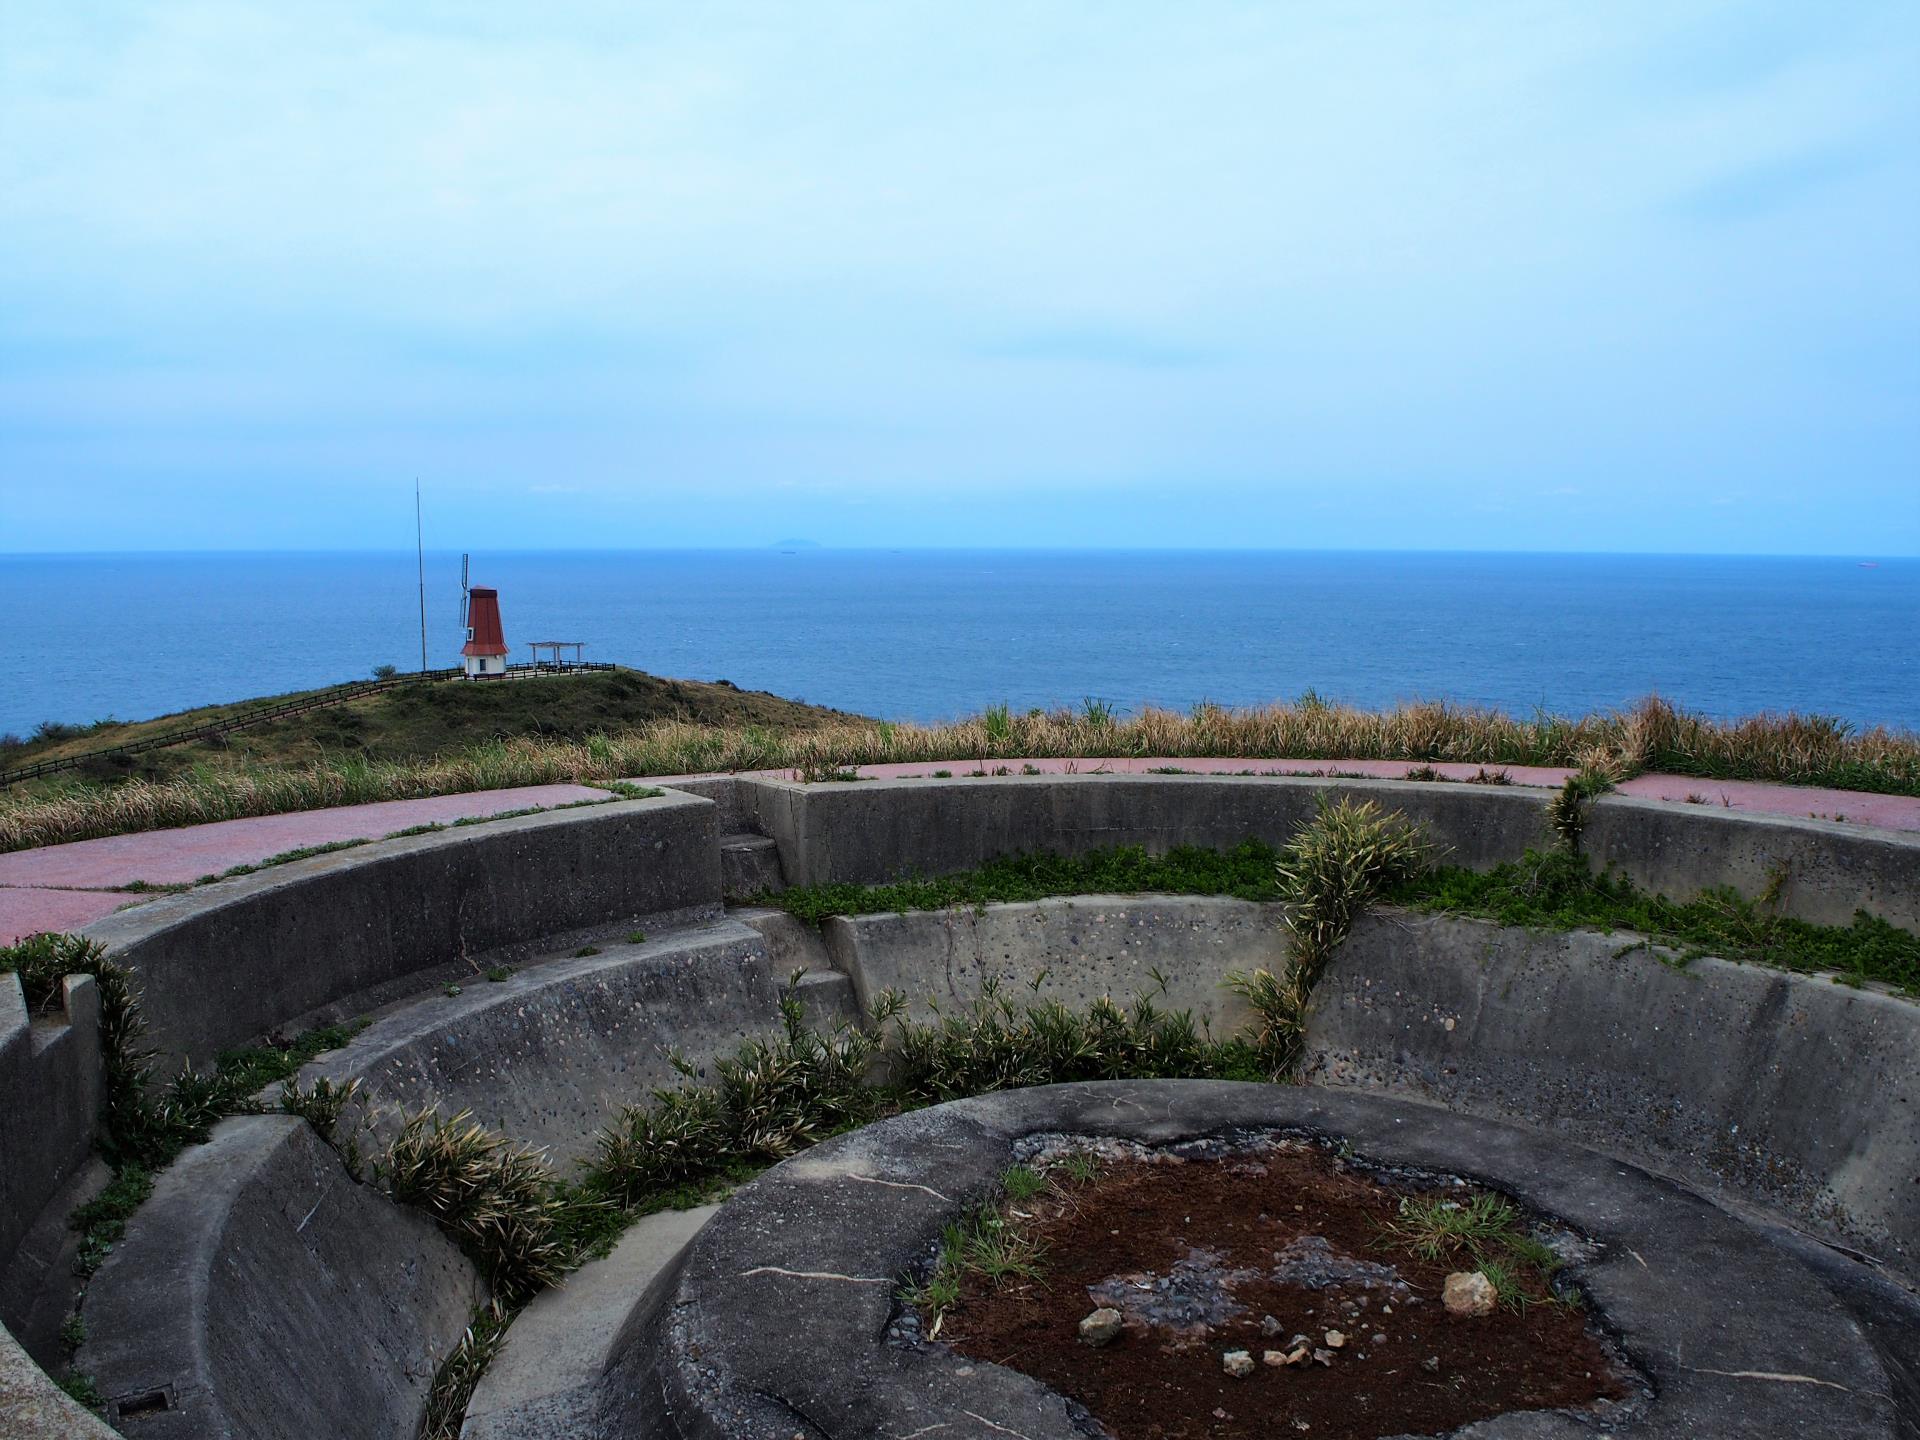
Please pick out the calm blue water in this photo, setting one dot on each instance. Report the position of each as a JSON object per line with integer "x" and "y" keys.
{"x": 932, "y": 635}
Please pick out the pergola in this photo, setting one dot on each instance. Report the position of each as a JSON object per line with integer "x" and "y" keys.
{"x": 556, "y": 646}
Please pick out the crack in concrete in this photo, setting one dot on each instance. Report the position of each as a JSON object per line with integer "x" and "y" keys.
{"x": 1775, "y": 1375}
{"x": 812, "y": 1275}
{"x": 898, "y": 1185}
{"x": 1000, "y": 1429}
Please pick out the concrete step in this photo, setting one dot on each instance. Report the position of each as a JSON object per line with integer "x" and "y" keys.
{"x": 749, "y": 866}
{"x": 825, "y": 989}
{"x": 544, "y": 1382}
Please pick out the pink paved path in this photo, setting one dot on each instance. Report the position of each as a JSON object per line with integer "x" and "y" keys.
{"x": 63, "y": 886}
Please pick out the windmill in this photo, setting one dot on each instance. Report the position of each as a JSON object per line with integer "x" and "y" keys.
{"x": 484, "y": 655}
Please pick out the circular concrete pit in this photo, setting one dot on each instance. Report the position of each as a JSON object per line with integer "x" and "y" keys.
{"x": 785, "y": 1319}
{"x": 1741, "y": 1145}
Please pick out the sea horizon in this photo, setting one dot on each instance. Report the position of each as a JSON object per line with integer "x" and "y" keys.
{"x": 918, "y": 633}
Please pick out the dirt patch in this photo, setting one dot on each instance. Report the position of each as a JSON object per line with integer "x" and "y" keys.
{"x": 1261, "y": 1250}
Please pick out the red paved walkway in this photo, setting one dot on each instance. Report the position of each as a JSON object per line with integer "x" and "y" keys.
{"x": 64, "y": 886}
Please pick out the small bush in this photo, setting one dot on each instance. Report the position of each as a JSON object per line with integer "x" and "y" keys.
{"x": 498, "y": 1200}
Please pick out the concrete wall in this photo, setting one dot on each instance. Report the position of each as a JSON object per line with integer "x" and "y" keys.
{"x": 873, "y": 830}
{"x": 1832, "y": 869}
{"x": 1788, "y": 1089}
{"x": 50, "y": 1090}
{"x": 1079, "y": 948}
{"x": 225, "y": 963}
{"x": 262, "y": 1294}
{"x": 552, "y": 1054}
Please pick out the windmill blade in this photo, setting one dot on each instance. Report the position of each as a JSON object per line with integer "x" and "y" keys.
{"x": 465, "y": 595}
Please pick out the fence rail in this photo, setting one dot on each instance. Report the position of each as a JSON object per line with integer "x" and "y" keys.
{"x": 337, "y": 695}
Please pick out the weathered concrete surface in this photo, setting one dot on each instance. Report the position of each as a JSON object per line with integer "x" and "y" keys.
{"x": 553, "y": 1052}
{"x": 1077, "y": 948}
{"x": 546, "y": 1384}
{"x": 874, "y": 830}
{"x": 1711, "y": 1310}
{"x": 50, "y": 1091}
{"x": 1831, "y": 869}
{"x": 749, "y": 866}
{"x": 32, "y": 1407}
{"x": 1787, "y": 1089}
{"x": 229, "y": 962}
{"x": 262, "y": 1294}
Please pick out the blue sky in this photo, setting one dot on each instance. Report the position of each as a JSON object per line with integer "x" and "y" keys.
{"x": 1532, "y": 276}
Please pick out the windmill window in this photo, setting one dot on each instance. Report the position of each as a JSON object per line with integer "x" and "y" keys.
{"x": 469, "y": 632}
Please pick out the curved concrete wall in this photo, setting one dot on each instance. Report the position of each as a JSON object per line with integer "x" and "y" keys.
{"x": 873, "y": 830}
{"x": 551, "y": 1054}
{"x": 1077, "y": 949}
{"x": 262, "y": 1294}
{"x": 1788, "y": 1089}
{"x": 225, "y": 963}
{"x": 229, "y": 962}
{"x": 50, "y": 1091}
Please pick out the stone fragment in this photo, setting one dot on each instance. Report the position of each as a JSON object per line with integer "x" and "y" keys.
{"x": 1102, "y": 1327}
{"x": 1336, "y": 1339}
{"x": 1323, "y": 1357}
{"x": 1269, "y": 1326}
{"x": 1469, "y": 1293}
{"x": 1431, "y": 1364}
{"x": 1237, "y": 1363}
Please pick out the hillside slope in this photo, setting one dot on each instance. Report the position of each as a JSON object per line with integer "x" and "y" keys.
{"x": 416, "y": 721}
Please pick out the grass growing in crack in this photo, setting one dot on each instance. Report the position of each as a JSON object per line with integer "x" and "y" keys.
{"x": 1485, "y": 1231}
{"x": 982, "y": 1241}
{"x": 1556, "y": 890}
{"x": 1246, "y": 872}
{"x": 459, "y": 1374}
{"x": 1329, "y": 872}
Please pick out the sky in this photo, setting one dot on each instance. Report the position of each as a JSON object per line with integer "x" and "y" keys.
{"x": 1537, "y": 276}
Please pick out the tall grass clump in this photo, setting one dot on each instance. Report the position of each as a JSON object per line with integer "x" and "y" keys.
{"x": 1342, "y": 861}
{"x": 499, "y": 1201}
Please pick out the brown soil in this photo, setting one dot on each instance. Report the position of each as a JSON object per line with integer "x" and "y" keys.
{"x": 1197, "y": 1254}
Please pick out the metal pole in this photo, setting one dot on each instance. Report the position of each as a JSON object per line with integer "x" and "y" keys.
{"x": 420, "y": 554}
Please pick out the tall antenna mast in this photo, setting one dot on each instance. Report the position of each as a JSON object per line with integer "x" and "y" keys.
{"x": 420, "y": 555}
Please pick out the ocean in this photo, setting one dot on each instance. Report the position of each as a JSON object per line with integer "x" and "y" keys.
{"x": 931, "y": 635}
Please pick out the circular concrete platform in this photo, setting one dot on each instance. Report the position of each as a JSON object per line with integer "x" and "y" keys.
{"x": 778, "y": 1326}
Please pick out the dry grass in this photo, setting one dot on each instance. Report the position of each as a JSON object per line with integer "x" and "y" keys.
{"x": 1651, "y": 736}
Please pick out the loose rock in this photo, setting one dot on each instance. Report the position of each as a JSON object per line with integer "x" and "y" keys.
{"x": 1469, "y": 1293}
{"x": 1102, "y": 1327}
{"x": 1237, "y": 1363}
{"x": 1336, "y": 1339}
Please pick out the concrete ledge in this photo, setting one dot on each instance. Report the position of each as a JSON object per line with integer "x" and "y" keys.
{"x": 1708, "y": 1307}
{"x": 226, "y": 963}
{"x": 1831, "y": 869}
{"x": 262, "y": 1294}
{"x": 1788, "y": 1089}
{"x": 548, "y": 1382}
{"x": 552, "y": 1053}
{"x": 1078, "y": 948}
{"x": 50, "y": 1093}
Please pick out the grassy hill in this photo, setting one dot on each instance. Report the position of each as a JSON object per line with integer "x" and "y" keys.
{"x": 414, "y": 722}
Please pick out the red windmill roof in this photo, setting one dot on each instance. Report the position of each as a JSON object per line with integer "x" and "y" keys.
{"x": 483, "y": 620}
